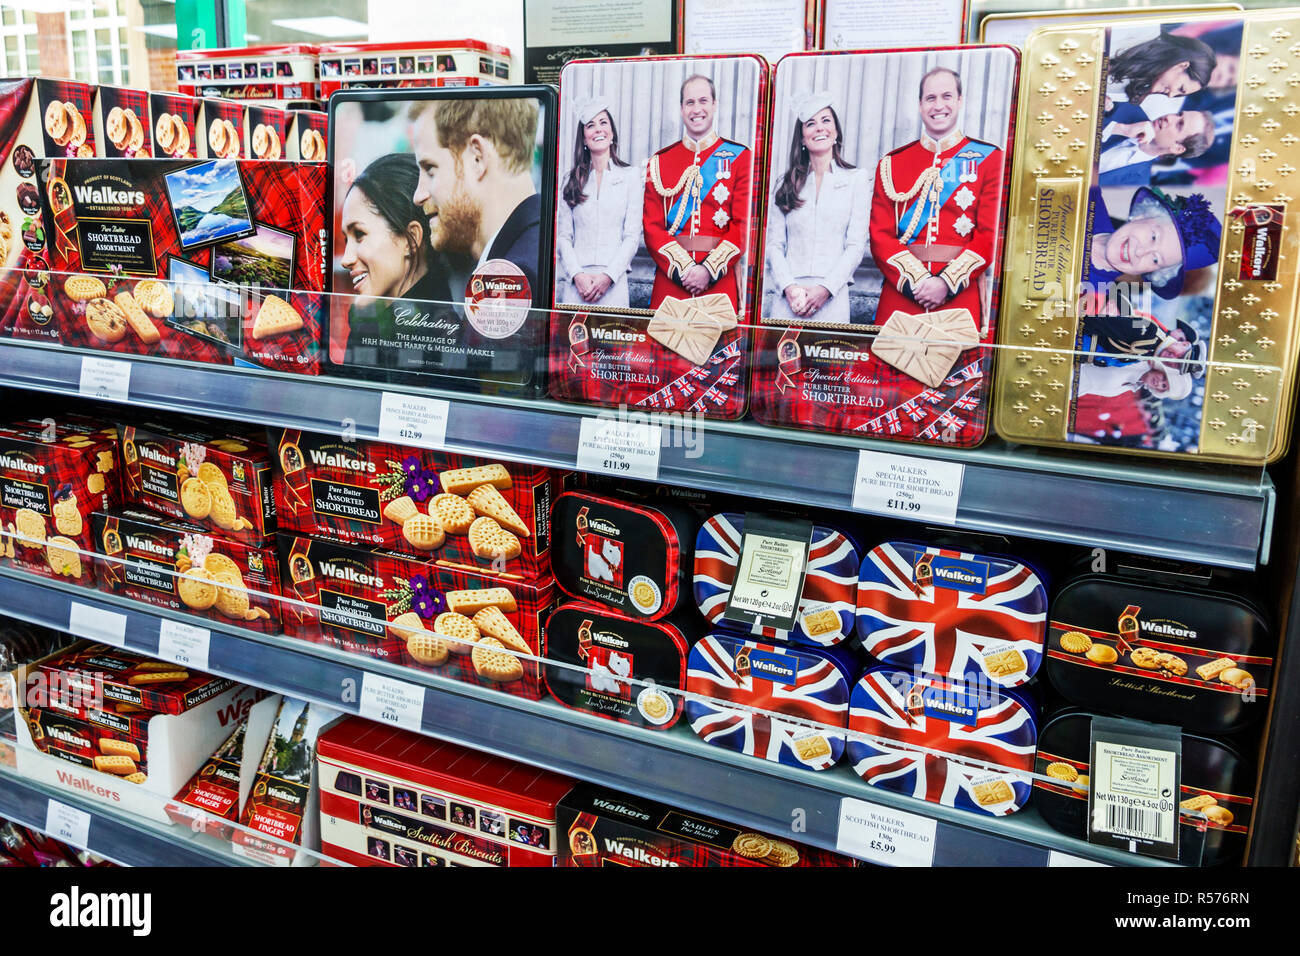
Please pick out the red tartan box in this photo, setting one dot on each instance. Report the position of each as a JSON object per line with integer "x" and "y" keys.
{"x": 599, "y": 827}
{"x": 307, "y": 135}
{"x": 221, "y": 130}
{"x": 175, "y": 121}
{"x": 122, "y": 126}
{"x": 412, "y": 612}
{"x": 52, "y": 478}
{"x": 85, "y": 744}
{"x": 462, "y": 511}
{"x": 203, "y": 261}
{"x": 181, "y": 567}
{"x": 266, "y": 131}
{"x": 121, "y": 677}
{"x": 219, "y": 480}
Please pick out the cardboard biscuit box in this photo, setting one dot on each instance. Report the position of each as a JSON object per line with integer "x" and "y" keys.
{"x": 307, "y": 135}
{"x": 266, "y": 131}
{"x": 179, "y": 566}
{"x": 456, "y": 622}
{"x": 122, "y": 126}
{"x": 86, "y": 744}
{"x": 222, "y": 125}
{"x": 123, "y": 677}
{"x": 52, "y": 478}
{"x": 175, "y": 121}
{"x": 459, "y": 510}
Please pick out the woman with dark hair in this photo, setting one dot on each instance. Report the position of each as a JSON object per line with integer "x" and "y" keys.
{"x": 818, "y": 221}
{"x": 599, "y": 216}
{"x": 1166, "y": 65}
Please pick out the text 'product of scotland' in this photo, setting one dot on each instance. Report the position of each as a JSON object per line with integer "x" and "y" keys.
{"x": 952, "y": 613}
{"x": 937, "y": 741}
{"x": 828, "y": 601}
{"x": 809, "y": 685}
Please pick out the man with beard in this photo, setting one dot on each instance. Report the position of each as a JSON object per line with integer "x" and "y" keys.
{"x": 476, "y": 185}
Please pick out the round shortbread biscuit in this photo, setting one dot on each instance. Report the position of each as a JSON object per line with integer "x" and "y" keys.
{"x": 427, "y": 649}
{"x": 217, "y": 137}
{"x": 184, "y": 145}
{"x": 423, "y": 531}
{"x": 261, "y": 142}
{"x": 453, "y": 513}
{"x": 276, "y": 150}
{"x": 61, "y": 553}
{"x": 232, "y": 140}
{"x": 84, "y": 151}
{"x": 196, "y": 589}
{"x": 1218, "y": 815}
{"x": 232, "y": 596}
{"x": 492, "y": 661}
{"x": 655, "y": 707}
{"x": 1172, "y": 664}
{"x": 783, "y": 854}
{"x": 155, "y": 298}
{"x": 460, "y": 630}
{"x": 135, "y": 141}
{"x": 164, "y": 132}
{"x": 489, "y": 540}
{"x": 216, "y": 563}
{"x": 1075, "y": 642}
{"x": 1102, "y": 654}
{"x": 116, "y": 127}
{"x": 752, "y": 846}
{"x": 1061, "y": 771}
{"x": 1081, "y": 785}
{"x": 106, "y": 321}
{"x": 1145, "y": 658}
{"x": 211, "y": 475}
{"x": 223, "y": 507}
{"x": 78, "y": 136}
{"x": 56, "y": 120}
{"x": 1237, "y": 677}
{"x": 84, "y": 288}
{"x": 31, "y": 528}
{"x": 196, "y": 498}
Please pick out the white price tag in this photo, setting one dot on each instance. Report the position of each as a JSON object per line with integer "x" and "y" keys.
{"x": 413, "y": 420}
{"x": 68, "y": 824}
{"x": 611, "y": 447}
{"x": 185, "y": 644}
{"x": 901, "y": 486}
{"x": 96, "y": 624}
{"x": 392, "y": 701}
{"x": 108, "y": 379}
{"x": 883, "y": 835}
{"x": 1056, "y": 858}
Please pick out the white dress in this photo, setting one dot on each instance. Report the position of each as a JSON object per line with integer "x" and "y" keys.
{"x": 820, "y": 243}
{"x": 600, "y": 234}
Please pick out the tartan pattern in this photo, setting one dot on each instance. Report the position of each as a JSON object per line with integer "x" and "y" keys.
{"x": 186, "y": 107}
{"x": 214, "y": 109}
{"x": 384, "y": 577}
{"x": 135, "y": 100}
{"x": 15, "y": 102}
{"x": 113, "y": 667}
{"x": 278, "y": 120}
{"x": 80, "y": 95}
{"x": 54, "y": 730}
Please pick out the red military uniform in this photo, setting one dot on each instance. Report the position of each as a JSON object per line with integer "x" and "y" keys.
{"x": 697, "y": 198}
{"x": 934, "y": 212}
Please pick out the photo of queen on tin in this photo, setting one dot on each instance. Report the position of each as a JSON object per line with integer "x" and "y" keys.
{"x": 1155, "y": 226}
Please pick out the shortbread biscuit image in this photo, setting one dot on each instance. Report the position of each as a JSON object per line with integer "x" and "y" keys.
{"x": 31, "y": 528}
{"x": 106, "y": 321}
{"x": 1075, "y": 642}
{"x": 84, "y": 288}
{"x": 117, "y": 128}
{"x": 164, "y": 132}
{"x": 216, "y": 563}
{"x": 155, "y": 666}
{"x": 135, "y": 142}
{"x": 149, "y": 678}
{"x": 460, "y": 631}
{"x": 67, "y": 519}
{"x": 136, "y": 777}
{"x": 783, "y": 854}
{"x": 489, "y": 540}
{"x": 428, "y": 649}
{"x": 400, "y": 509}
{"x": 461, "y": 481}
{"x": 261, "y": 142}
{"x": 232, "y": 140}
{"x": 223, "y": 507}
{"x": 992, "y": 793}
{"x": 155, "y": 298}
{"x": 230, "y": 445}
{"x": 643, "y": 596}
{"x": 217, "y": 138}
{"x": 1236, "y": 677}
{"x": 470, "y": 603}
{"x": 821, "y": 622}
{"x": 493, "y": 623}
{"x": 1198, "y": 802}
{"x": 810, "y": 748}
{"x": 1172, "y": 664}
{"x": 212, "y": 476}
{"x": 1061, "y": 771}
{"x": 423, "y": 531}
{"x": 56, "y": 120}
{"x": 119, "y": 748}
{"x": 1214, "y": 668}
{"x": 196, "y": 590}
{"x": 654, "y": 707}
{"x": 183, "y": 141}
{"x": 1006, "y": 663}
{"x": 61, "y": 553}
{"x": 104, "y": 462}
{"x": 453, "y": 513}
{"x": 493, "y": 662}
{"x": 275, "y": 317}
{"x": 77, "y": 138}
{"x": 1145, "y": 658}
{"x": 486, "y": 500}
{"x": 1102, "y": 654}
{"x": 406, "y": 625}
{"x": 752, "y": 846}
{"x": 140, "y": 323}
{"x": 121, "y": 766}
{"x": 232, "y": 596}
{"x": 196, "y": 498}
{"x": 1081, "y": 785}
{"x": 1218, "y": 816}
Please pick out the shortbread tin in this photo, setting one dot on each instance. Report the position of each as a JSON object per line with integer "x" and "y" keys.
{"x": 952, "y": 613}
{"x": 809, "y": 685}
{"x": 965, "y": 746}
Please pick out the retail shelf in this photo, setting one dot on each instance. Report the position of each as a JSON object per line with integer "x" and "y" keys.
{"x": 1212, "y": 514}
{"x": 674, "y": 767}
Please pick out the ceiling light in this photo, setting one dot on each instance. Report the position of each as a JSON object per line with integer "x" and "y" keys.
{"x": 332, "y": 27}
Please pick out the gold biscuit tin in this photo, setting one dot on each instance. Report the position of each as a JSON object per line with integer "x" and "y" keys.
{"x": 1151, "y": 282}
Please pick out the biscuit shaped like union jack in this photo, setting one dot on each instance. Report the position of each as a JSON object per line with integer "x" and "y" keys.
{"x": 951, "y": 613}
{"x": 806, "y": 684}
{"x": 830, "y": 583}
{"x": 999, "y": 730}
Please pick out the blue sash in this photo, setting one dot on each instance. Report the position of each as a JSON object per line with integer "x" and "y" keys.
{"x": 709, "y": 170}
{"x": 950, "y": 178}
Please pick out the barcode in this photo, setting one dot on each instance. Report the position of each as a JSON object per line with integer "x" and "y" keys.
{"x": 1134, "y": 822}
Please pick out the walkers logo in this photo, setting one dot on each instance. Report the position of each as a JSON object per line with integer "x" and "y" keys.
{"x": 1261, "y": 241}
{"x": 958, "y": 575}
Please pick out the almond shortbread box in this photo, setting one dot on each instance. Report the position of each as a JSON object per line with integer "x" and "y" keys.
{"x": 52, "y": 478}
{"x": 453, "y": 509}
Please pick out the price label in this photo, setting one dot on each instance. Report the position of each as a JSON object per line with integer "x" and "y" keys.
{"x": 883, "y": 835}
{"x": 185, "y": 644}
{"x": 1056, "y": 858}
{"x": 901, "y": 486}
{"x": 108, "y": 379}
{"x": 97, "y": 624}
{"x": 392, "y": 701}
{"x": 68, "y": 824}
{"x": 413, "y": 420}
{"x": 612, "y": 447}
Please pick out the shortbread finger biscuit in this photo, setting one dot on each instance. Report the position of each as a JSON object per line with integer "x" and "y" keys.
{"x": 453, "y": 513}
{"x": 1198, "y": 802}
{"x": 63, "y": 558}
{"x": 155, "y": 298}
{"x": 149, "y": 678}
{"x": 1005, "y": 663}
{"x": 470, "y": 603}
{"x": 1075, "y": 642}
{"x": 31, "y": 528}
{"x": 212, "y": 476}
{"x": 155, "y": 666}
{"x": 136, "y": 777}
{"x": 196, "y": 590}
{"x": 486, "y": 500}
{"x": 493, "y": 662}
{"x": 489, "y": 540}
{"x": 275, "y": 317}
{"x": 1061, "y": 771}
{"x": 493, "y": 623}
{"x": 460, "y": 630}
{"x": 121, "y": 766}
{"x": 223, "y": 507}
{"x": 119, "y": 748}
{"x": 140, "y": 323}
{"x": 992, "y": 793}
{"x": 84, "y": 288}
{"x": 427, "y": 649}
{"x": 196, "y": 498}
{"x": 423, "y": 531}
{"x": 400, "y": 509}
{"x": 752, "y": 846}
{"x": 1214, "y": 668}
{"x": 461, "y": 481}
{"x": 106, "y": 321}
{"x": 783, "y": 854}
